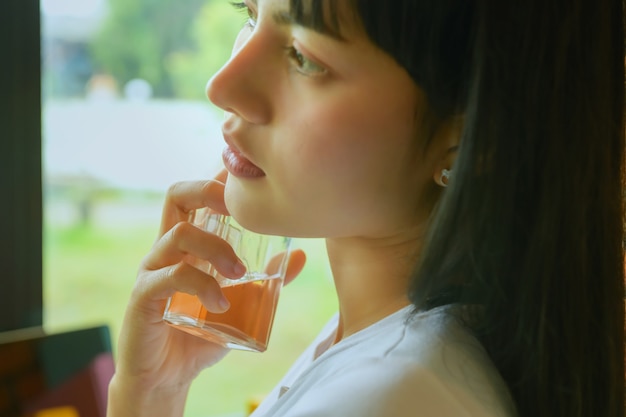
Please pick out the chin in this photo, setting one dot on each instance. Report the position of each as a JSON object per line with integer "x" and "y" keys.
{"x": 254, "y": 208}
{"x": 252, "y": 214}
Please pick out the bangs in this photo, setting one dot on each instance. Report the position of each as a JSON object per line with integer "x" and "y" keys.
{"x": 324, "y": 16}
{"x": 430, "y": 38}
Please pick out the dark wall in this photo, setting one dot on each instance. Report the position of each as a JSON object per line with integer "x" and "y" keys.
{"x": 20, "y": 165}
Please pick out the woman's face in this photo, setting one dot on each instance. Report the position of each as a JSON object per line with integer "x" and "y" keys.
{"x": 321, "y": 132}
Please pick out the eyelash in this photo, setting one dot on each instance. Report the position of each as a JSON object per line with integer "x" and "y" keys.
{"x": 293, "y": 53}
{"x": 242, "y": 6}
{"x": 300, "y": 61}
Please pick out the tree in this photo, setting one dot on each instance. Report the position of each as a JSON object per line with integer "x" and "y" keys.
{"x": 139, "y": 36}
{"x": 213, "y": 33}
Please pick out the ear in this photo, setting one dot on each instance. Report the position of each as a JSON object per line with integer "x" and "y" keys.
{"x": 446, "y": 143}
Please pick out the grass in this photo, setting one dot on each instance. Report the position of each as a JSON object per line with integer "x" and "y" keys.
{"x": 88, "y": 275}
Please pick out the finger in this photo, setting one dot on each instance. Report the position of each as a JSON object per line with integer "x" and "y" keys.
{"x": 295, "y": 264}
{"x": 183, "y": 197}
{"x": 222, "y": 176}
{"x": 186, "y": 241}
{"x": 184, "y": 278}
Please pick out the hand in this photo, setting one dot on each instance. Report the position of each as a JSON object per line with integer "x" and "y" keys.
{"x": 152, "y": 355}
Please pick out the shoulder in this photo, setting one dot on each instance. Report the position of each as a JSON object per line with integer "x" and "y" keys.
{"x": 422, "y": 365}
{"x": 441, "y": 352}
{"x": 399, "y": 389}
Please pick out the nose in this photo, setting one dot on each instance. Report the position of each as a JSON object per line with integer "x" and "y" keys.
{"x": 242, "y": 85}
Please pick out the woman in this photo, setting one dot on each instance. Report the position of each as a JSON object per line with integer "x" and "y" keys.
{"x": 465, "y": 163}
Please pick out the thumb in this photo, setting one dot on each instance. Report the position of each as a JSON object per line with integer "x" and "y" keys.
{"x": 295, "y": 263}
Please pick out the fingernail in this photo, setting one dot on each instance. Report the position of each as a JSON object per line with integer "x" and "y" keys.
{"x": 239, "y": 268}
{"x": 223, "y": 303}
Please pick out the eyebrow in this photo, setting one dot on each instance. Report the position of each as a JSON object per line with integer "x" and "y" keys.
{"x": 290, "y": 18}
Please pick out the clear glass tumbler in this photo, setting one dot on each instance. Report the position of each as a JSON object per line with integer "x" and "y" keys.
{"x": 247, "y": 324}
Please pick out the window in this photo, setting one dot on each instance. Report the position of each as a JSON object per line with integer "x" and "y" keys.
{"x": 123, "y": 116}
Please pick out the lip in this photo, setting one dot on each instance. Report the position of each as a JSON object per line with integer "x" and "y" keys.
{"x": 237, "y": 163}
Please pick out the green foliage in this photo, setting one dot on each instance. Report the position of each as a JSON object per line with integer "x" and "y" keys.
{"x": 213, "y": 32}
{"x": 175, "y": 46}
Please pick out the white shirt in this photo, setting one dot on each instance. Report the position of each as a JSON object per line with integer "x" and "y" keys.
{"x": 417, "y": 365}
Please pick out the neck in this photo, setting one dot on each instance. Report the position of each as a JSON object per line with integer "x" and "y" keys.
{"x": 371, "y": 278}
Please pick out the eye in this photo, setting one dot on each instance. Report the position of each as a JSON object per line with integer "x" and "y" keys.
{"x": 303, "y": 64}
{"x": 252, "y": 16}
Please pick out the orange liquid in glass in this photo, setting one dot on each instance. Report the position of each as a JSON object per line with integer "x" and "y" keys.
{"x": 247, "y": 323}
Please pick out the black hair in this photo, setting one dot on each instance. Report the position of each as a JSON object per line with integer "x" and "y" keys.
{"x": 530, "y": 232}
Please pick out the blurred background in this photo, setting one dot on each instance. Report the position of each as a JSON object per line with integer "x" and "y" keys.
{"x": 124, "y": 116}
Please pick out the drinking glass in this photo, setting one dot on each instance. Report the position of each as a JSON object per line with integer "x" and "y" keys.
{"x": 253, "y": 298}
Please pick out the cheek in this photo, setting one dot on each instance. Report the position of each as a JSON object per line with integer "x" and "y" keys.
{"x": 335, "y": 168}
{"x": 348, "y": 169}
{"x": 349, "y": 144}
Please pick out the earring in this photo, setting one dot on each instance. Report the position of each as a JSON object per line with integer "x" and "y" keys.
{"x": 445, "y": 177}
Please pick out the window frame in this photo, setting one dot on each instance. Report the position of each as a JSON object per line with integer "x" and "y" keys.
{"x": 21, "y": 207}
